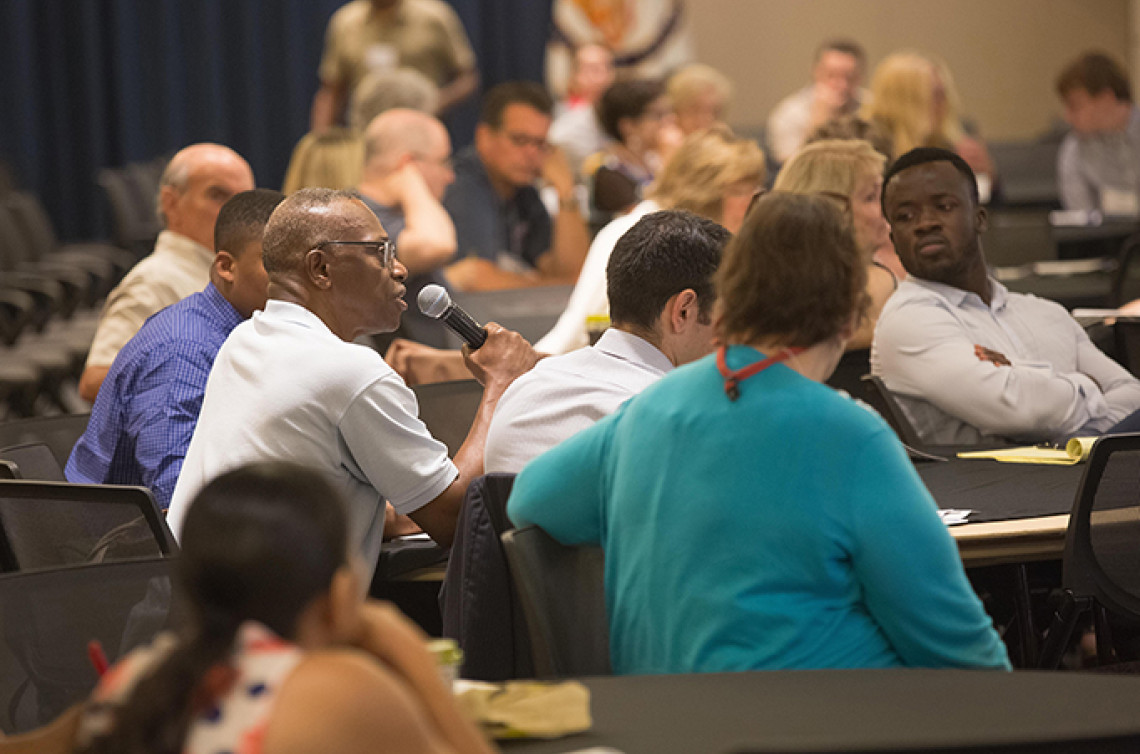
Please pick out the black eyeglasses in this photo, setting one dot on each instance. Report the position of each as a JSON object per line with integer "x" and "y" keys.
{"x": 384, "y": 249}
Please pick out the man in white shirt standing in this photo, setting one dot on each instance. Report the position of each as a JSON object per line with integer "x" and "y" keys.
{"x": 290, "y": 384}
{"x": 659, "y": 284}
{"x": 970, "y": 361}
{"x": 837, "y": 75}
{"x": 195, "y": 184}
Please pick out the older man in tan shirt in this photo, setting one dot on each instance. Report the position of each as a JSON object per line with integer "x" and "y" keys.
{"x": 194, "y": 186}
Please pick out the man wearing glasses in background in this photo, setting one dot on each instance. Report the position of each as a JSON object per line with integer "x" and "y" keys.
{"x": 506, "y": 236}
{"x": 291, "y": 385}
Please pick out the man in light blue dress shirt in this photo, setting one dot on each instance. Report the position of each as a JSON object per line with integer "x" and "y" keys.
{"x": 970, "y": 361}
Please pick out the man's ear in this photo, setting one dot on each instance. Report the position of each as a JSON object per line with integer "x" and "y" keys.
{"x": 982, "y": 219}
{"x": 483, "y": 132}
{"x": 683, "y": 310}
{"x": 317, "y": 269}
{"x": 167, "y": 197}
{"x": 224, "y": 263}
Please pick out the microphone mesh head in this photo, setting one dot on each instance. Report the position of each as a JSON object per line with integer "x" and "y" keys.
{"x": 433, "y": 300}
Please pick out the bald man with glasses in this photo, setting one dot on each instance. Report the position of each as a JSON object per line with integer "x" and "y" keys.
{"x": 506, "y": 236}
{"x": 291, "y": 385}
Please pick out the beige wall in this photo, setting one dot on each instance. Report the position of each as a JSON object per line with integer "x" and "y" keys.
{"x": 1004, "y": 54}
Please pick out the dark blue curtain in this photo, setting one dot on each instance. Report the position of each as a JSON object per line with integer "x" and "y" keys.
{"x": 90, "y": 83}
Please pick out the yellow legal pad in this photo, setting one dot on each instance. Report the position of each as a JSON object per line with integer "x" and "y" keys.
{"x": 1076, "y": 450}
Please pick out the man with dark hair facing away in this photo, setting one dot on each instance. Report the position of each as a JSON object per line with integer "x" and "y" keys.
{"x": 970, "y": 361}
{"x": 505, "y": 234}
{"x": 1098, "y": 165}
{"x": 659, "y": 285}
{"x": 141, "y": 425}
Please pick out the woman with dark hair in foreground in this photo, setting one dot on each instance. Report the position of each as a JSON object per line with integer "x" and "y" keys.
{"x": 281, "y": 652}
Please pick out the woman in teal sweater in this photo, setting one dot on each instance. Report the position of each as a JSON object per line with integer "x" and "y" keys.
{"x": 752, "y": 517}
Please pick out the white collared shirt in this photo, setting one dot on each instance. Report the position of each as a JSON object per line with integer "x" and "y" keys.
{"x": 177, "y": 268}
{"x": 1059, "y": 384}
{"x": 563, "y": 395}
{"x": 589, "y": 295}
{"x": 285, "y": 388}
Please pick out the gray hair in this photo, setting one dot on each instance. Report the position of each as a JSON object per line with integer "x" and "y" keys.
{"x": 295, "y": 227}
{"x": 385, "y": 90}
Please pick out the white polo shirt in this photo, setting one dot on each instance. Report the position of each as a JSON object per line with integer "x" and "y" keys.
{"x": 284, "y": 387}
{"x": 563, "y": 395}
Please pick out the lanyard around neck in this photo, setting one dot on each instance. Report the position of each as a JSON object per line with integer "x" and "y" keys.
{"x": 732, "y": 379}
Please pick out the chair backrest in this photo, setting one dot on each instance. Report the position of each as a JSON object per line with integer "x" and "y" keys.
{"x": 133, "y": 220}
{"x": 54, "y": 524}
{"x": 1019, "y": 237}
{"x": 1126, "y": 281}
{"x": 1126, "y": 343}
{"x": 883, "y": 401}
{"x": 848, "y": 374}
{"x": 448, "y": 409}
{"x": 33, "y": 460}
{"x": 1028, "y": 172}
{"x": 60, "y": 433}
{"x": 47, "y": 619}
{"x": 478, "y": 603}
{"x": 531, "y": 312}
{"x": 563, "y": 597}
{"x": 33, "y": 222}
{"x": 1102, "y": 544}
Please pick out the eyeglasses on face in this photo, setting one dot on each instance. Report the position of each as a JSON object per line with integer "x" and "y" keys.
{"x": 384, "y": 249}
{"x": 522, "y": 141}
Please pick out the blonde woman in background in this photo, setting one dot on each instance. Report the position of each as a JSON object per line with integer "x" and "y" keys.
{"x": 330, "y": 159}
{"x": 701, "y": 96}
{"x": 851, "y": 171}
{"x": 713, "y": 174}
{"x": 914, "y": 100}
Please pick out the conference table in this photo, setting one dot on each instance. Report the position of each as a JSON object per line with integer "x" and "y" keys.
{"x": 1020, "y": 514}
{"x": 856, "y": 710}
{"x": 1019, "y": 511}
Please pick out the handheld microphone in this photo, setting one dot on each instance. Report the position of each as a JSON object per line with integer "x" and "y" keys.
{"x": 435, "y": 303}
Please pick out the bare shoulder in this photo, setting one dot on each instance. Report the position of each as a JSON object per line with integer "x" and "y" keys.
{"x": 344, "y": 700}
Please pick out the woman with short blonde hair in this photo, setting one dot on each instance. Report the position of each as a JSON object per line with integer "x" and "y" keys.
{"x": 852, "y": 172}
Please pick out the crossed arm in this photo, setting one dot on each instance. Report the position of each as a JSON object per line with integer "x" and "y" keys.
{"x": 925, "y": 352}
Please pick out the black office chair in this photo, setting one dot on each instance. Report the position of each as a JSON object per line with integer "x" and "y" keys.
{"x": 883, "y": 401}
{"x": 33, "y": 460}
{"x": 478, "y": 603}
{"x": 60, "y": 433}
{"x": 47, "y": 620}
{"x": 1102, "y": 554}
{"x": 1126, "y": 282}
{"x": 564, "y": 599}
{"x": 52, "y": 524}
{"x": 448, "y": 409}
{"x": 848, "y": 374}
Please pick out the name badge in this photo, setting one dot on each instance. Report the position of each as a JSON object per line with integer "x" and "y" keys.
{"x": 381, "y": 57}
{"x": 1121, "y": 203}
